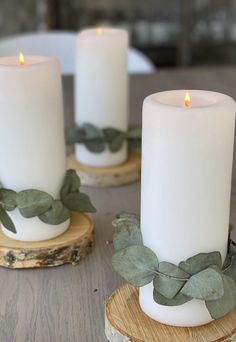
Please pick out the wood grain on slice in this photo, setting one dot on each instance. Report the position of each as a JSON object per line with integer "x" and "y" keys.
{"x": 70, "y": 247}
{"x": 125, "y": 322}
{"x": 125, "y": 173}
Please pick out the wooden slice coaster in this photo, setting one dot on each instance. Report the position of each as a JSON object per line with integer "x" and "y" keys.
{"x": 70, "y": 247}
{"x": 125, "y": 173}
{"x": 126, "y": 322}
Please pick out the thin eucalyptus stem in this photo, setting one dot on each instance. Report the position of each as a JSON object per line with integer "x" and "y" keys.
{"x": 227, "y": 268}
{"x": 170, "y": 277}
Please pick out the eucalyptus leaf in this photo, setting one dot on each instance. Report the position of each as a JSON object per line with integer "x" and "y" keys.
{"x": 134, "y": 132}
{"x": 72, "y": 135}
{"x": 116, "y": 143}
{"x": 231, "y": 271}
{"x": 136, "y": 264}
{"x": 201, "y": 276}
{"x": 95, "y": 139}
{"x": 128, "y": 216}
{"x": 71, "y": 183}
{"x": 109, "y": 133}
{"x": 127, "y": 233}
{"x": 206, "y": 285}
{"x": 114, "y": 138}
{"x": 222, "y": 306}
{"x": 78, "y": 201}
{"x": 167, "y": 286}
{"x": 134, "y": 144}
{"x": 33, "y": 202}
{"x": 95, "y": 145}
{"x": 8, "y": 199}
{"x": 6, "y": 220}
{"x": 56, "y": 214}
{"x": 92, "y": 132}
{"x": 179, "y": 299}
{"x": 134, "y": 138}
{"x": 130, "y": 219}
{"x": 201, "y": 261}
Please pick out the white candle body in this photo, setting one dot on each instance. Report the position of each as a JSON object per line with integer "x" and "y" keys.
{"x": 101, "y": 89}
{"x": 186, "y": 181}
{"x": 32, "y": 149}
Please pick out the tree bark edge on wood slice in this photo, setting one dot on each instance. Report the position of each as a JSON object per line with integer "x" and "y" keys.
{"x": 125, "y": 322}
{"x": 70, "y": 247}
{"x": 125, "y": 173}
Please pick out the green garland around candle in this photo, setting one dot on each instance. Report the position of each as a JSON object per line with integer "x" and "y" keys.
{"x": 36, "y": 203}
{"x": 203, "y": 276}
{"x": 96, "y": 139}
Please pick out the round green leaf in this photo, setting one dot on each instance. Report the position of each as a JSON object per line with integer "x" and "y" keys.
{"x": 127, "y": 231}
{"x": 127, "y": 216}
{"x": 222, "y": 306}
{"x": 6, "y": 220}
{"x": 116, "y": 143}
{"x": 8, "y": 199}
{"x": 56, "y": 214}
{"x": 179, "y": 299}
{"x": 207, "y": 285}
{"x": 136, "y": 264}
{"x": 92, "y": 132}
{"x": 109, "y": 133}
{"x": 71, "y": 183}
{"x": 33, "y": 203}
{"x": 78, "y": 201}
{"x": 95, "y": 145}
{"x": 73, "y": 135}
{"x": 201, "y": 261}
{"x": 134, "y": 132}
{"x": 134, "y": 138}
{"x": 134, "y": 144}
{"x": 114, "y": 138}
{"x": 126, "y": 235}
{"x": 168, "y": 286}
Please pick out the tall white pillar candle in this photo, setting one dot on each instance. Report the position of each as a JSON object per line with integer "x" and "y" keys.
{"x": 32, "y": 152}
{"x": 186, "y": 181}
{"x": 101, "y": 88}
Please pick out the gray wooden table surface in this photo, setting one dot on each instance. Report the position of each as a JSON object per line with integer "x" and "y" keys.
{"x": 65, "y": 304}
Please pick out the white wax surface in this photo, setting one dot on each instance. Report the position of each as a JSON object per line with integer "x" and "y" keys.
{"x": 34, "y": 229}
{"x": 32, "y": 149}
{"x": 101, "y": 88}
{"x": 186, "y": 182}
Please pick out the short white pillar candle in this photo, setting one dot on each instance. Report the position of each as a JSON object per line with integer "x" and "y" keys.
{"x": 101, "y": 90}
{"x": 32, "y": 149}
{"x": 187, "y": 158}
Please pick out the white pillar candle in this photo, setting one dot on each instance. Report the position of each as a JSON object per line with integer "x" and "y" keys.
{"x": 32, "y": 151}
{"x": 101, "y": 88}
{"x": 186, "y": 181}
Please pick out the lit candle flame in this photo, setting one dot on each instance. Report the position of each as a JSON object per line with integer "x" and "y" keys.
{"x": 187, "y": 100}
{"x": 21, "y": 59}
{"x": 99, "y": 30}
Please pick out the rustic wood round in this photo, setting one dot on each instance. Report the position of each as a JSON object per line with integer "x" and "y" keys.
{"x": 125, "y": 173}
{"x": 126, "y": 322}
{"x": 70, "y": 247}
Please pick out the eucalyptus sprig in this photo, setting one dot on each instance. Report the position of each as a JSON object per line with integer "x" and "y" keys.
{"x": 37, "y": 203}
{"x": 201, "y": 276}
{"x": 96, "y": 139}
